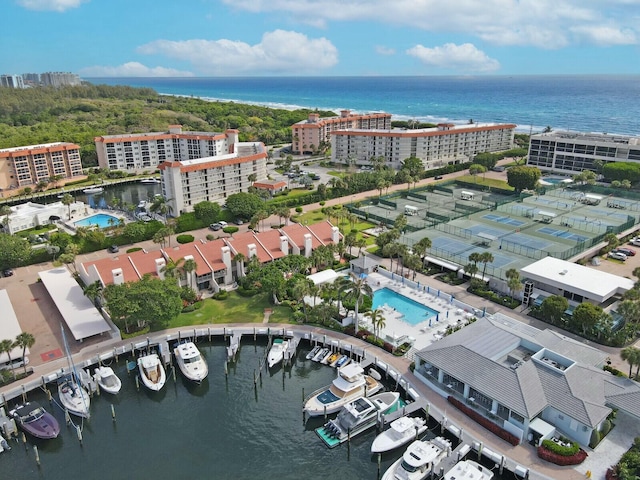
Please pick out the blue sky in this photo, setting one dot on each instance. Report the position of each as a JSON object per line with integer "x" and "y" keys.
{"x": 97, "y": 38}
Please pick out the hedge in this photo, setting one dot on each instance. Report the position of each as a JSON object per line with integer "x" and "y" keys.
{"x": 484, "y": 421}
{"x": 185, "y": 238}
{"x": 576, "y": 459}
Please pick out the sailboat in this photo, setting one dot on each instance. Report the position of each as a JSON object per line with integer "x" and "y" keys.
{"x": 73, "y": 397}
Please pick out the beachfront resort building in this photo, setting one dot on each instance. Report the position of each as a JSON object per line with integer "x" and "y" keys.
{"x": 571, "y": 152}
{"x": 228, "y": 167}
{"x": 311, "y": 134}
{"x": 535, "y": 384}
{"x": 27, "y": 166}
{"x": 218, "y": 263}
{"x": 442, "y": 145}
{"x": 11, "y": 81}
{"x": 31, "y": 215}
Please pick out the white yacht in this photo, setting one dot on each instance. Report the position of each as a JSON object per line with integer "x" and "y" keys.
{"x": 190, "y": 362}
{"x": 419, "y": 460}
{"x": 152, "y": 372}
{"x": 276, "y": 352}
{"x": 350, "y": 384}
{"x": 73, "y": 397}
{"x": 356, "y": 417}
{"x": 400, "y": 432}
{"x": 468, "y": 470}
{"x": 93, "y": 189}
{"x": 107, "y": 379}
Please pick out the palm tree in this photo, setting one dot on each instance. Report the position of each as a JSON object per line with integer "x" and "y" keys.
{"x": 67, "y": 199}
{"x": 189, "y": 266}
{"x": 629, "y": 354}
{"x": 485, "y": 257}
{"x": 93, "y": 291}
{"x": 359, "y": 287}
{"x": 6, "y": 346}
{"x": 421, "y": 246}
{"x": 301, "y": 289}
{"x": 377, "y": 320}
{"x": 5, "y": 210}
{"x": 513, "y": 281}
{"x": 25, "y": 340}
{"x": 239, "y": 258}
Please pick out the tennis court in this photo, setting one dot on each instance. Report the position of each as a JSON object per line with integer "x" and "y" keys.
{"x": 505, "y": 220}
{"x": 562, "y": 234}
{"x": 528, "y": 241}
{"x": 494, "y": 232}
{"x": 450, "y": 245}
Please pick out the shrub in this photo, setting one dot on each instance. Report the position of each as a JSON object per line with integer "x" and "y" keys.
{"x": 485, "y": 422}
{"x": 210, "y": 237}
{"x": 246, "y": 292}
{"x": 575, "y": 459}
{"x": 134, "y": 249}
{"x": 595, "y": 439}
{"x": 185, "y": 238}
{"x": 605, "y": 427}
{"x": 221, "y": 295}
{"x": 230, "y": 230}
{"x": 561, "y": 450}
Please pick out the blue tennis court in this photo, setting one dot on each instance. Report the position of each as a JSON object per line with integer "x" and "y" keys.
{"x": 505, "y": 220}
{"x": 495, "y": 232}
{"x": 527, "y": 241}
{"x": 608, "y": 213}
{"x": 562, "y": 234}
{"x": 499, "y": 260}
{"x": 450, "y": 245}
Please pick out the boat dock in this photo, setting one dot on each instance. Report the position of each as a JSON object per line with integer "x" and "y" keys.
{"x": 7, "y": 425}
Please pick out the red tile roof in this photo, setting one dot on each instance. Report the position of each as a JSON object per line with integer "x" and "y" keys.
{"x": 239, "y": 244}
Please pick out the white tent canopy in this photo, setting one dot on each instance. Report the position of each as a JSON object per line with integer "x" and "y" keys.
{"x": 325, "y": 276}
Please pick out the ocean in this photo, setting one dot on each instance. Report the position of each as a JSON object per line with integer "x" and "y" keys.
{"x": 584, "y": 103}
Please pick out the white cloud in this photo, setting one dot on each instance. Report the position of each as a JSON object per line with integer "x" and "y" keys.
{"x": 132, "y": 69}
{"x": 279, "y": 52}
{"x": 55, "y": 5}
{"x": 539, "y": 23}
{"x": 462, "y": 58}
{"x": 381, "y": 50}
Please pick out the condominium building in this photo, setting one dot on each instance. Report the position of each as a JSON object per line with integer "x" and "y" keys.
{"x": 227, "y": 167}
{"x": 59, "y": 79}
{"x": 445, "y": 144}
{"x": 145, "y": 151}
{"x": 27, "y": 166}
{"x": 11, "y": 81}
{"x": 571, "y": 152}
{"x": 309, "y": 135}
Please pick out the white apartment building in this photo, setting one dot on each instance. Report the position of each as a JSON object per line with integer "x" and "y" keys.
{"x": 59, "y": 79}
{"x": 145, "y": 151}
{"x": 571, "y": 153}
{"x": 30, "y": 215}
{"x": 213, "y": 177}
{"x": 445, "y": 144}
{"x": 26, "y": 166}
{"x": 308, "y": 135}
{"x": 11, "y": 81}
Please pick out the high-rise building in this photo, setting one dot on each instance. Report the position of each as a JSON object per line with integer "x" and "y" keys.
{"x": 27, "y": 166}
{"x": 571, "y": 152}
{"x": 11, "y": 81}
{"x": 445, "y": 144}
{"x": 209, "y": 168}
{"x": 311, "y": 134}
{"x": 59, "y": 79}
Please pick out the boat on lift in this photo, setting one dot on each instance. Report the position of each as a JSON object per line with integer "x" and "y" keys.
{"x": 107, "y": 379}
{"x": 468, "y": 470}
{"x": 190, "y": 362}
{"x": 419, "y": 460}
{"x": 400, "y": 432}
{"x": 152, "y": 372}
{"x": 276, "y": 352}
{"x": 93, "y": 189}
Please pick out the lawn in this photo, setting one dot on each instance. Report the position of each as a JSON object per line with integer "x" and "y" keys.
{"x": 235, "y": 309}
{"x": 485, "y": 182}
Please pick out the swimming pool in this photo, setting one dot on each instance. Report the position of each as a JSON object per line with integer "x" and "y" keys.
{"x": 412, "y": 311}
{"x": 102, "y": 220}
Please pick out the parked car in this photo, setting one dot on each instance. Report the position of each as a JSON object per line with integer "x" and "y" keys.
{"x": 438, "y": 177}
{"x": 627, "y": 251}
{"x": 7, "y": 272}
{"x": 215, "y": 226}
{"x": 635, "y": 241}
{"x": 222, "y": 223}
{"x": 617, "y": 255}
{"x": 113, "y": 249}
{"x": 238, "y": 221}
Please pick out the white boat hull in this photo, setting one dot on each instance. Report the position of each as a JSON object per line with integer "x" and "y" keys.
{"x": 439, "y": 449}
{"x": 190, "y": 362}
{"x": 314, "y": 407}
{"x": 468, "y": 470}
{"x": 152, "y": 372}
{"x": 107, "y": 379}
{"x": 390, "y": 439}
{"x": 74, "y": 398}
{"x": 276, "y": 353}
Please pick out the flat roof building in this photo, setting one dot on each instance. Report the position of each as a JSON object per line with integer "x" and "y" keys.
{"x": 29, "y": 165}
{"x": 571, "y": 152}
{"x": 9, "y": 330}
{"x": 436, "y": 147}
{"x": 314, "y": 133}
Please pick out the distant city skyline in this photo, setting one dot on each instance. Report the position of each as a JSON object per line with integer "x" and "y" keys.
{"x": 163, "y": 38}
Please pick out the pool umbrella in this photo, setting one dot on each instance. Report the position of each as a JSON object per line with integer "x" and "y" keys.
{"x": 437, "y": 317}
{"x": 484, "y": 311}
{"x": 447, "y": 313}
{"x": 429, "y": 322}
{"x": 438, "y": 293}
{"x": 428, "y": 291}
{"x": 451, "y": 298}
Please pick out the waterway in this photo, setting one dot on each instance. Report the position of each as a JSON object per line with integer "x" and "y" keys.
{"x": 222, "y": 429}
{"x": 126, "y": 193}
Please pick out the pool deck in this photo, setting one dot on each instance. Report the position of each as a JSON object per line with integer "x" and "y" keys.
{"x": 424, "y": 333}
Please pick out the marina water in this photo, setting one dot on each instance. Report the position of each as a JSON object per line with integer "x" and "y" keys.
{"x": 223, "y": 429}
{"x": 584, "y": 103}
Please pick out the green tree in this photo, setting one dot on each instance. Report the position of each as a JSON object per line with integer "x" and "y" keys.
{"x": 513, "y": 281}
{"x": 475, "y": 169}
{"x": 25, "y": 340}
{"x": 553, "y": 308}
{"x": 14, "y": 251}
{"x": 630, "y": 355}
{"x": 134, "y": 231}
{"x": 244, "y": 205}
{"x": 485, "y": 258}
{"x": 67, "y": 200}
{"x": 378, "y": 320}
{"x": 189, "y": 267}
{"x": 93, "y": 292}
{"x": 523, "y": 177}
{"x": 585, "y": 317}
{"x": 5, "y": 211}
{"x": 358, "y": 288}
{"x": 413, "y": 166}
{"x": 487, "y": 160}
{"x": 7, "y": 346}
{"x": 208, "y": 212}
{"x": 421, "y": 246}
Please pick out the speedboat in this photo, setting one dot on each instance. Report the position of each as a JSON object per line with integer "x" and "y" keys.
{"x": 314, "y": 351}
{"x": 152, "y": 372}
{"x": 419, "y": 460}
{"x": 107, "y": 379}
{"x": 73, "y": 396}
{"x": 276, "y": 352}
{"x": 331, "y": 358}
{"x": 350, "y": 384}
{"x": 93, "y": 189}
{"x": 321, "y": 354}
{"x": 35, "y": 420}
{"x": 342, "y": 361}
{"x": 356, "y": 417}
{"x": 150, "y": 181}
{"x": 468, "y": 470}
{"x": 190, "y": 362}
{"x": 400, "y": 432}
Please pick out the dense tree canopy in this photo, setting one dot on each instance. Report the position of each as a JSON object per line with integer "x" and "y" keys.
{"x": 622, "y": 171}
{"x": 523, "y": 178}
{"x": 14, "y": 251}
{"x": 244, "y": 205}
